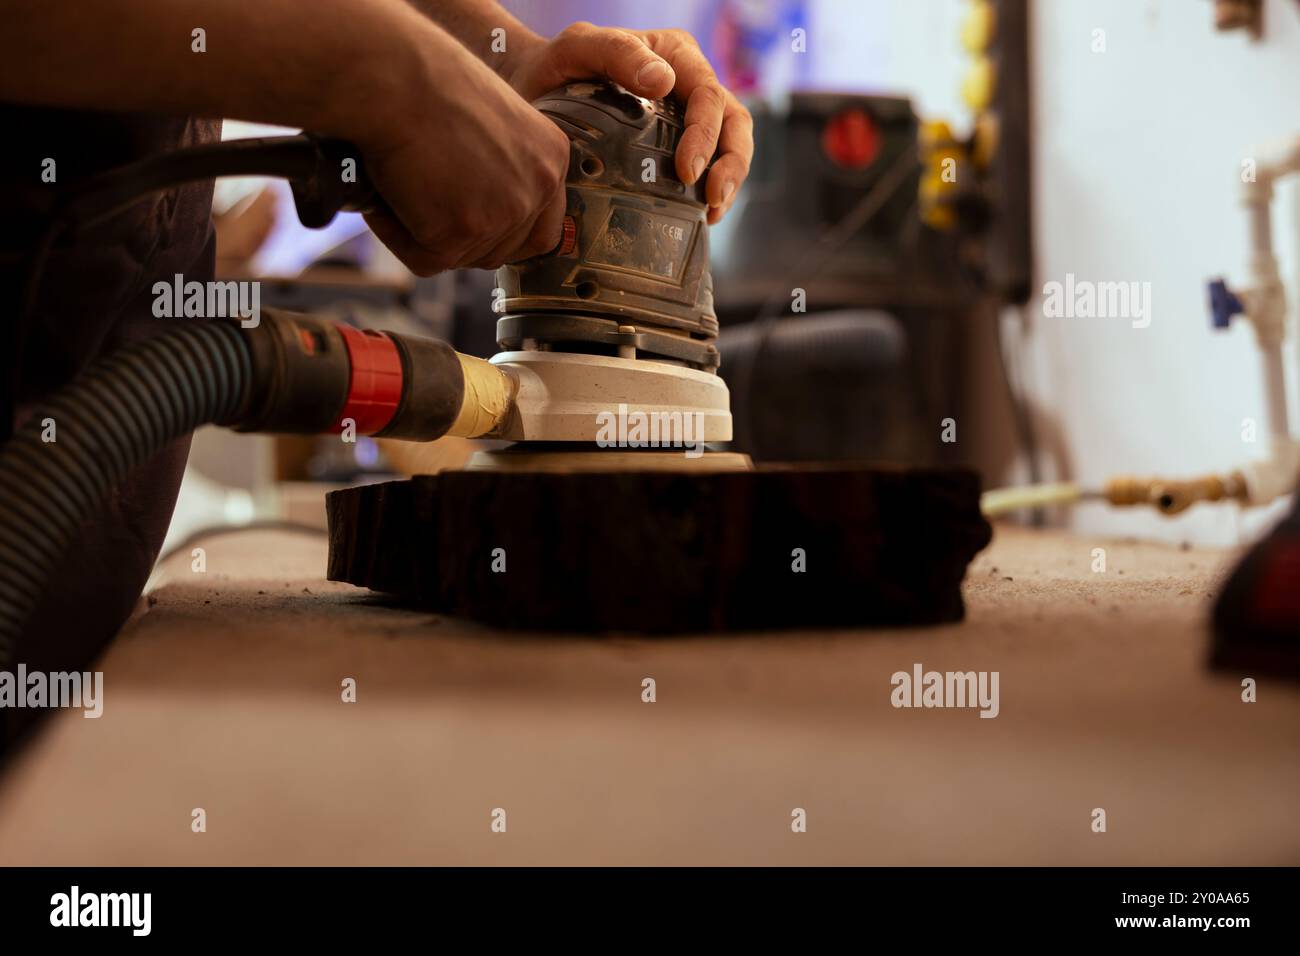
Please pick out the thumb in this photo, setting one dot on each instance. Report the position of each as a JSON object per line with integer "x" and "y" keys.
{"x": 617, "y": 54}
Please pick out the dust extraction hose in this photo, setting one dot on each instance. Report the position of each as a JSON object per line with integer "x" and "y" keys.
{"x": 288, "y": 373}
{"x": 276, "y": 373}
{"x": 60, "y": 465}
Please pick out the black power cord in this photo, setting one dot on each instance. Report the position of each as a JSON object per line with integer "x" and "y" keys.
{"x": 213, "y": 530}
{"x": 313, "y": 166}
{"x": 807, "y": 267}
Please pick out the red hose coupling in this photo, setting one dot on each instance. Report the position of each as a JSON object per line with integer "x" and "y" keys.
{"x": 375, "y": 383}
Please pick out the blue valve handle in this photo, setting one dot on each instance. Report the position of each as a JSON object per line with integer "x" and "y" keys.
{"x": 1224, "y": 304}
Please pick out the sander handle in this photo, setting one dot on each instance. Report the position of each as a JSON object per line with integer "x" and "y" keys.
{"x": 335, "y": 182}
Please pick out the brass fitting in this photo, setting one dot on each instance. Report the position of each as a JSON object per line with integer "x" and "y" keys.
{"x": 1173, "y": 496}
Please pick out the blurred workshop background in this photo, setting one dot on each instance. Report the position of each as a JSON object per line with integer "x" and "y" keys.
{"x": 923, "y": 169}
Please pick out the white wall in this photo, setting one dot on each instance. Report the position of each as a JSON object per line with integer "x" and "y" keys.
{"x": 1138, "y": 159}
{"x": 1137, "y": 154}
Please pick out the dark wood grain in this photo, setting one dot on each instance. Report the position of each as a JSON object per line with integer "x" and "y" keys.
{"x": 667, "y": 552}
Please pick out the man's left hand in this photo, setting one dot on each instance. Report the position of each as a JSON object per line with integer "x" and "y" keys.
{"x": 653, "y": 64}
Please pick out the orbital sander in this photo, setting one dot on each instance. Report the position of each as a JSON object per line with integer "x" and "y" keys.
{"x": 610, "y": 341}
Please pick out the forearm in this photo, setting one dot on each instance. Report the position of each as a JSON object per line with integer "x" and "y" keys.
{"x": 473, "y": 23}
{"x": 330, "y": 66}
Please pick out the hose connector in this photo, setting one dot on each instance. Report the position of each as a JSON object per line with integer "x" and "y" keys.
{"x": 312, "y": 376}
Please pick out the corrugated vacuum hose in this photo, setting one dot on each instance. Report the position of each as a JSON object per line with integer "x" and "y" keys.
{"x": 286, "y": 373}
{"x": 64, "y": 460}
{"x": 275, "y": 372}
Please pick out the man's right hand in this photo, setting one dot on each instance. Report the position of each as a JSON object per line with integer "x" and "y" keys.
{"x": 473, "y": 176}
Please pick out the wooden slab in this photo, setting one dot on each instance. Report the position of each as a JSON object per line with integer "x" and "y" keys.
{"x": 662, "y": 552}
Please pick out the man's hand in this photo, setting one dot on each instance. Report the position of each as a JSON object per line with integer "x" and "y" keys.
{"x": 472, "y": 174}
{"x": 653, "y": 64}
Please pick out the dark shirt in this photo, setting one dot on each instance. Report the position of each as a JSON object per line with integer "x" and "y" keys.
{"x": 94, "y": 296}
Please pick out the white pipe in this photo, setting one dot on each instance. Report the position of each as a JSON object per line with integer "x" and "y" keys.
{"x": 1275, "y": 392}
{"x": 1265, "y": 303}
{"x": 1272, "y": 162}
{"x": 1261, "y": 226}
{"x": 1000, "y": 501}
{"x": 1265, "y": 307}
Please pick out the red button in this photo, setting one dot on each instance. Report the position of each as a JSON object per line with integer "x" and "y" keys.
{"x": 851, "y": 140}
{"x": 568, "y": 237}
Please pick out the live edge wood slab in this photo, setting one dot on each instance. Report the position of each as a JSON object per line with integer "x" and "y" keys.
{"x": 778, "y": 547}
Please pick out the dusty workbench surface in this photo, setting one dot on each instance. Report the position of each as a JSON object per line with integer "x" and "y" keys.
{"x": 226, "y": 695}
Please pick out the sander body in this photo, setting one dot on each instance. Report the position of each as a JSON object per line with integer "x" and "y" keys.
{"x": 618, "y": 320}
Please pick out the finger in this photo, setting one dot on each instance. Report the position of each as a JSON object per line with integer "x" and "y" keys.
{"x": 706, "y": 101}
{"x": 718, "y": 213}
{"x": 736, "y": 145}
{"x": 539, "y": 234}
{"x": 547, "y": 230}
{"x": 421, "y": 261}
{"x": 540, "y": 228}
{"x": 504, "y": 250}
{"x": 704, "y": 112}
{"x": 494, "y": 248}
{"x": 583, "y": 51}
